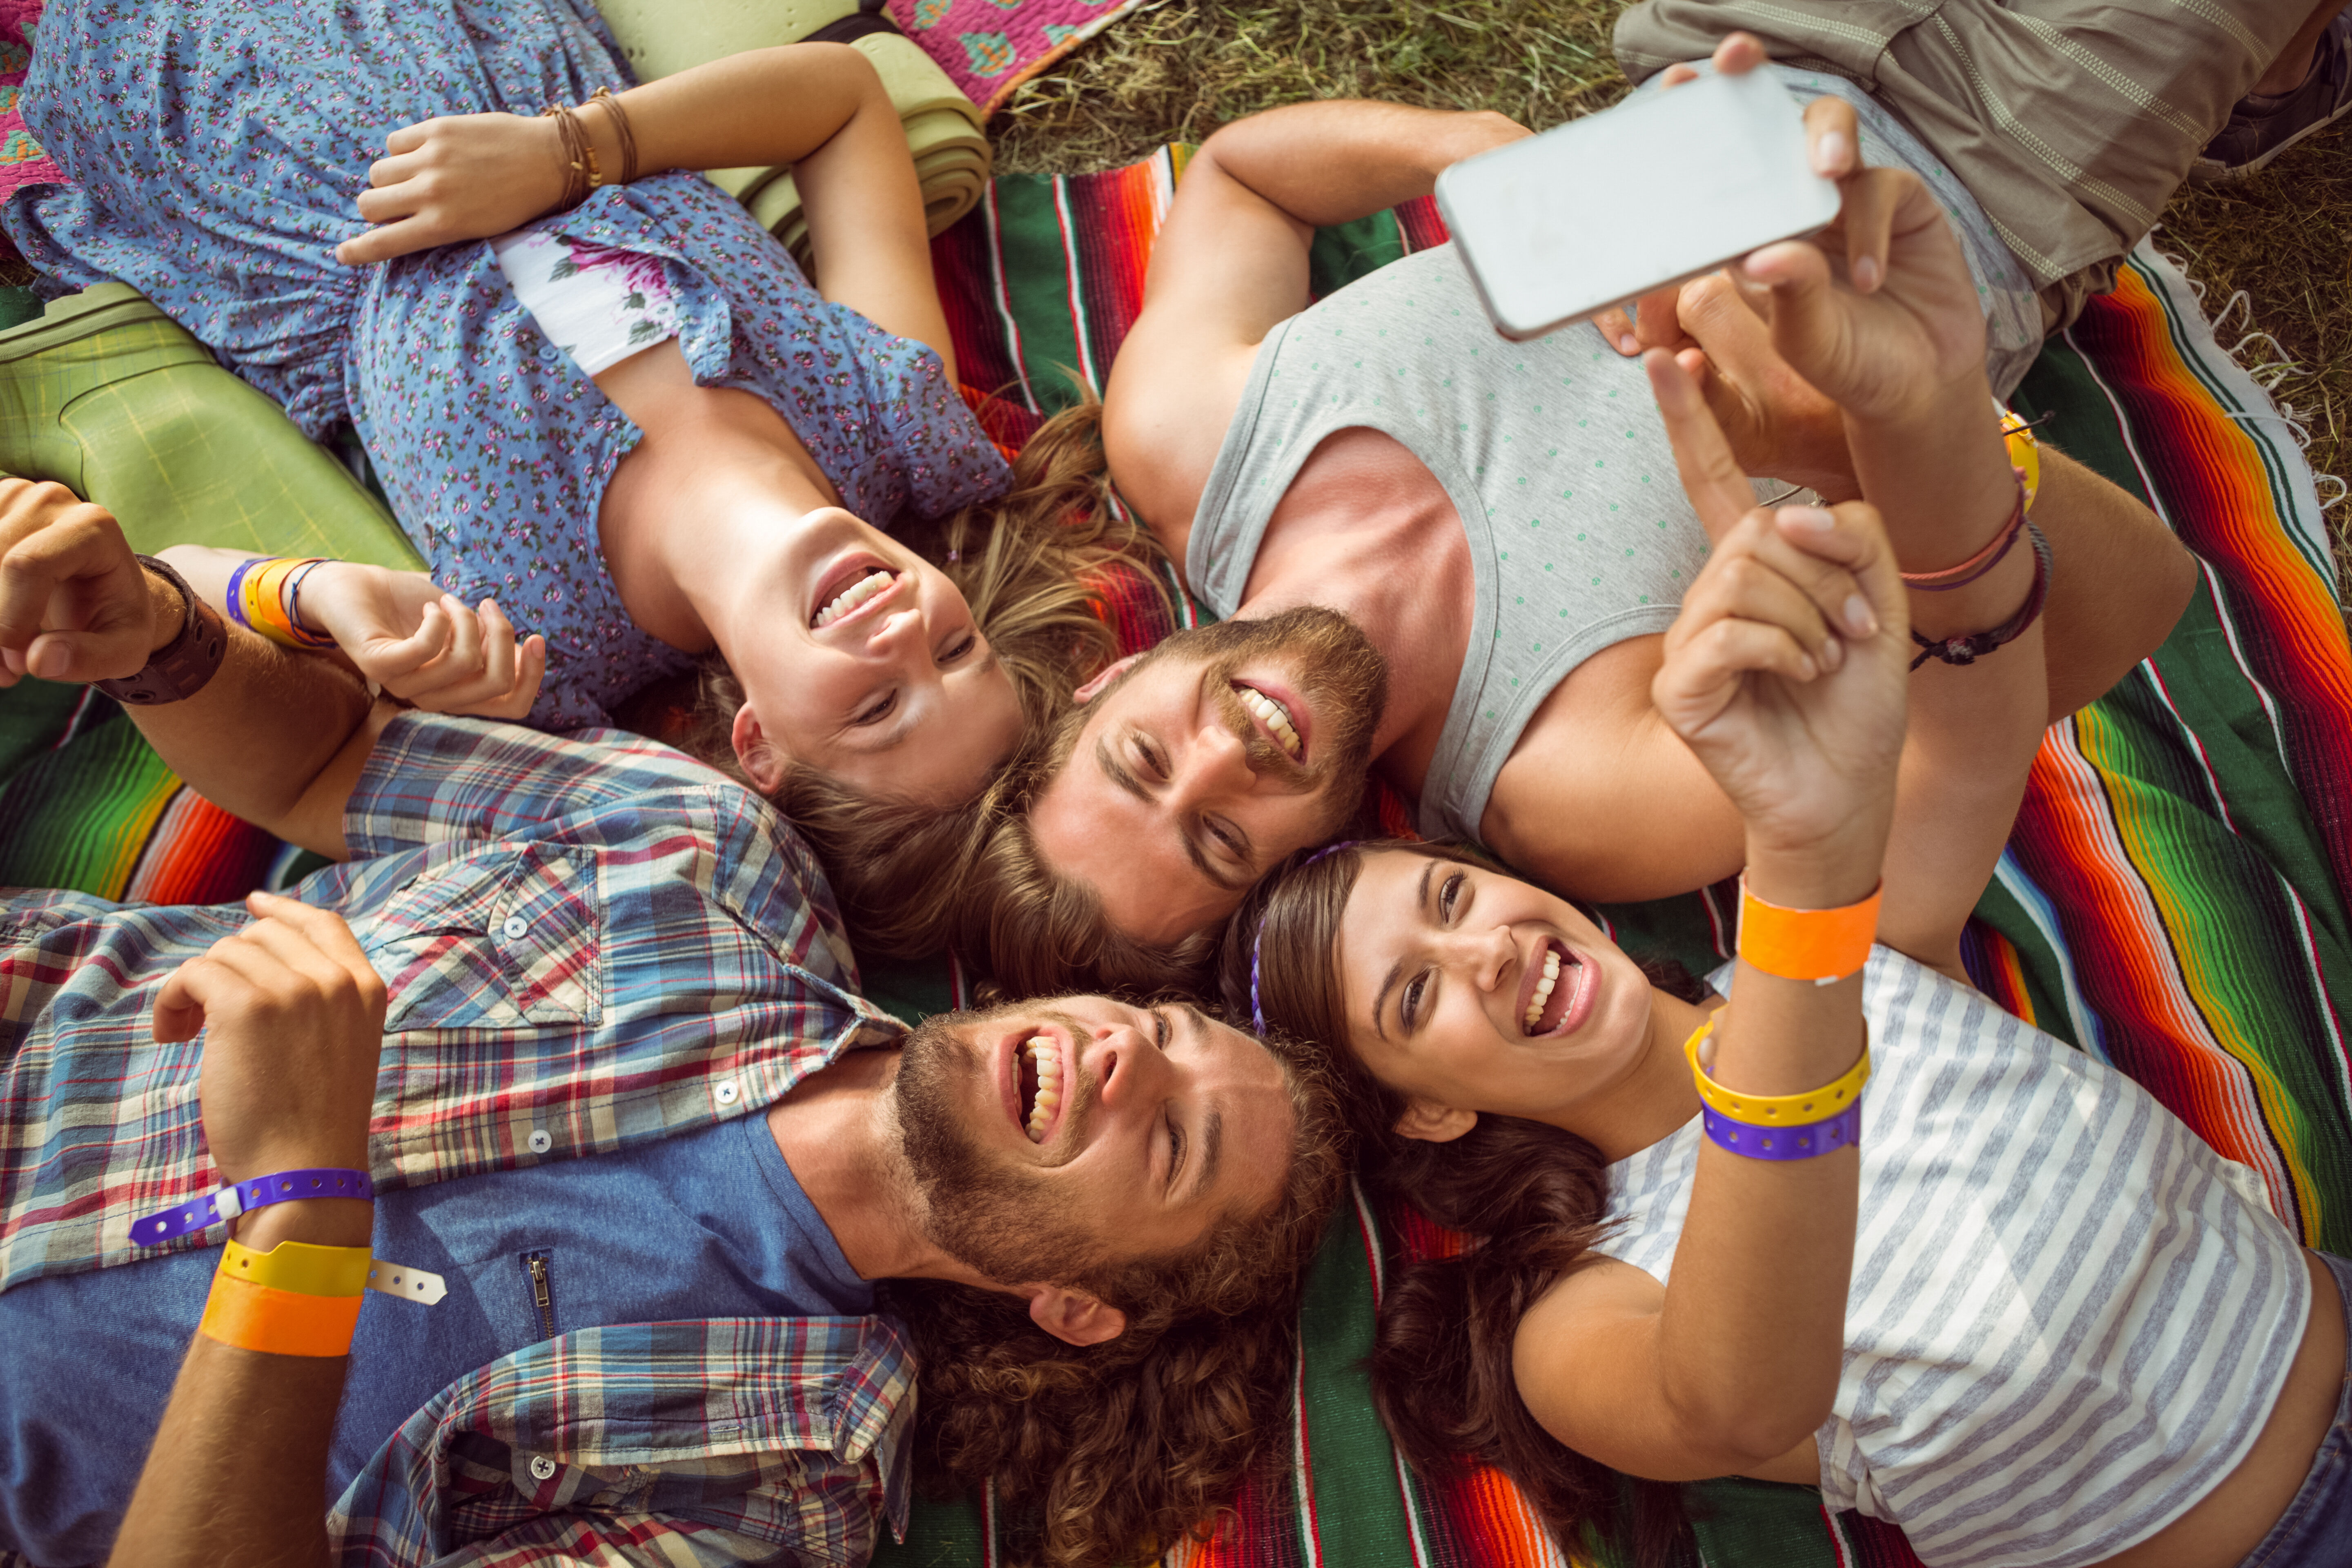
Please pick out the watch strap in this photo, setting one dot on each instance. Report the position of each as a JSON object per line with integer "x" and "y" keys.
{"x": 178, "y": 669}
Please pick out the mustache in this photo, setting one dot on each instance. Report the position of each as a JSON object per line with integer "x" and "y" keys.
{"x": 1265, "y": 759}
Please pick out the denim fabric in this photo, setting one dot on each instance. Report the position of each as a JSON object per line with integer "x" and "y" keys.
{"x": 2315, "y": 1530}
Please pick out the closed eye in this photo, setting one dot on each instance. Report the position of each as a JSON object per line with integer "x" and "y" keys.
{"x": 1175, "y": 1148}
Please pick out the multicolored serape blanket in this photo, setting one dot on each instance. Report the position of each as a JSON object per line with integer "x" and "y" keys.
{"x": 2172, "y": 897}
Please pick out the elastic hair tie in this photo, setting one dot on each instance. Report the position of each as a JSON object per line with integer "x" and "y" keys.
{"x": 1258, "y": 1013}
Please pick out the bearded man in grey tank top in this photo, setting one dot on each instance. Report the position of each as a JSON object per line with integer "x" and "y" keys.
{"x": 1452, "y": 558}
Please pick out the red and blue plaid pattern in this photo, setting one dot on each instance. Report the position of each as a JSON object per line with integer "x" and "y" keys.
{"x": 590, "y": 943}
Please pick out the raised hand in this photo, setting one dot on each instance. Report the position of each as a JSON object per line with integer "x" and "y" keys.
{"x": 424, "y": 646}
{"x": 1786, "y": 672}
{"x": 457, "y": 177}
{"x": 293, "y": 1021}
{"x": 75, "y": 604}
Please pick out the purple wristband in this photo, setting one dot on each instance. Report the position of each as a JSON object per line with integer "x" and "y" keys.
{"x": 1803, "y": 1141}
{"x": 225, "y": 1203}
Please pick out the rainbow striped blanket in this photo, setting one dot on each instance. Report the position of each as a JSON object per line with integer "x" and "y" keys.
{"x": 2172, "y": 897}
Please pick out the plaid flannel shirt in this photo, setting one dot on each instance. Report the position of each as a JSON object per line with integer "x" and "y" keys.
{"x": 589, "y": 943}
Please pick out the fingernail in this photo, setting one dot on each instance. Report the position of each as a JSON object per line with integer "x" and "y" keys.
{"x": 1866, "y": 274}
{"x": 1806, "y": 668}
{"x": 1628, "y": 342}
{"x": 1817, "y": 518}
{"x": 1831, "y": 153}
{"x": 1832, "y": 653}
{"x": 1858, "y": 618}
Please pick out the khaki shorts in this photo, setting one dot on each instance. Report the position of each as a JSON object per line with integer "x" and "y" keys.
{"x": 2071, "y": 122}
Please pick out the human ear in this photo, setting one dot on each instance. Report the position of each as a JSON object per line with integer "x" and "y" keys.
{"x": 1432, "y": 1123}
{"x": 1110, "y": 672}
{"x": 763, "y": 763}
{"x": 1074, "y": 1317}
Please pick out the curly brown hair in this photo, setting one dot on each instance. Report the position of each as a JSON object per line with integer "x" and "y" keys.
{"x": 1528, "y": 1196}
{"x": 1029, "y": 563}
{"x": 1112, "y": 1453}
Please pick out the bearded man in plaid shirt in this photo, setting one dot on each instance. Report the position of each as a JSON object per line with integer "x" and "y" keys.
{"x": 582, "y": 1010}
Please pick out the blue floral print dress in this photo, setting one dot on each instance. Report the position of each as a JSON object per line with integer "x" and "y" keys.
{"x": 217, "y": 148}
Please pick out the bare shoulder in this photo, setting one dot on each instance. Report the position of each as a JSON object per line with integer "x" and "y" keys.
{"x": 1599, "y": 798}
{"x": 1170, "y": 399}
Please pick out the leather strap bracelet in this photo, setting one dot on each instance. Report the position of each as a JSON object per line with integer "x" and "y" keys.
{"x": 220, "y": 1206}
{"x": 580, "y": 173}
{"x": 603, "y": 99}
{"x": 1966, "y": 650}
{"x": 180, "y": 667}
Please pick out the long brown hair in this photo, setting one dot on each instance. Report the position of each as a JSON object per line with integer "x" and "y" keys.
{"x": 1528, "y": 1196}
{"x": 1113, "y": 1453}
{"x": 1029, "y": 563}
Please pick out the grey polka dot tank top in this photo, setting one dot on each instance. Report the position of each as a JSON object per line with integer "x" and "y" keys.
{"x": 1551, "y": 451}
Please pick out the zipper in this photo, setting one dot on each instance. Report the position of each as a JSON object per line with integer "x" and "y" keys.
{"x": 542, "y": 1291}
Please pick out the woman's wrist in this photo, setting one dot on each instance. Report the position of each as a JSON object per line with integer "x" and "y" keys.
{"x": 1836, "y": 872}
{"x": 319, "y": 1222}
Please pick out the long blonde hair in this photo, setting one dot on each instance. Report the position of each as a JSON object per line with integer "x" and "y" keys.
{"x": 1035, "y": 566}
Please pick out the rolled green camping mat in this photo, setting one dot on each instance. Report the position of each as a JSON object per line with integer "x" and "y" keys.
{"x": 952, "y": 158}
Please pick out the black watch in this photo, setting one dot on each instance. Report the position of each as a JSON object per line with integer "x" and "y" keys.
{"x": 179, "y": 670}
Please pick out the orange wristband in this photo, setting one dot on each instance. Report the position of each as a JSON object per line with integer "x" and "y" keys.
{"x": 281, "y": 1322}
{"x": 1819, "y": 945}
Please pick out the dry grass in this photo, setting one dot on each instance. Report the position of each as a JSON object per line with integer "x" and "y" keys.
{"x": 1175, "y": 69}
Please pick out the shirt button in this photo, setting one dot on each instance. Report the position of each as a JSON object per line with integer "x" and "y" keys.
{"x": 542, "y": 1467}
{"x": 729, "y": 1093}
{"x": 540, "y": 1141}
{"x": 516, "y": 927}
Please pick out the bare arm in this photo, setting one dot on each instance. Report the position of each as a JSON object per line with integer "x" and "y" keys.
{"x": 1230, "y": 263}
{"x": 819, "y": 108}
{"x": 275, "y": 737}
{"x": 1737, "y": 1359}
{"x": 294, "y": 1022}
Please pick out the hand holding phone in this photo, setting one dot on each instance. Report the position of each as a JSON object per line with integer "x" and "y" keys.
{"x": 1665, "y": 186}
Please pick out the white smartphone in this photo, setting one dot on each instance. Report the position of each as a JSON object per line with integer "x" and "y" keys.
{"x": 1666, "y": 186}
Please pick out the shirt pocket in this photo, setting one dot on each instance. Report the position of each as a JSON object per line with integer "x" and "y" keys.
{"x": 496, "y": 941}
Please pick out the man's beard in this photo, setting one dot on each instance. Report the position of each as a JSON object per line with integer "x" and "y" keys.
{"x": 1341, "y": 676}
{"x": 986, "y": 1212}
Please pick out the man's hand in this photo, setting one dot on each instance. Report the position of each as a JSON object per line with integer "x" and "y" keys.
{"x": 293, "y": 1022}
{"x": 75, "y": 604}
{"x": 457, "y": 177}
{"x": 424, "y": 646}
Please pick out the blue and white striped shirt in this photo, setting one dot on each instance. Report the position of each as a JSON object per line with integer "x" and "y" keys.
{"x": 2069, "y": 1318}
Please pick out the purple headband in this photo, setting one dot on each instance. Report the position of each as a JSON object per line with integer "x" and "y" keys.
{"x": 1257, "y": 1013}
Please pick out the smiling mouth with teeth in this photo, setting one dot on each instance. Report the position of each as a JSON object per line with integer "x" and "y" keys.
{"x": 1039, "y": 1065}
{"x": 1274, "y": 716}
{"x": 877, "y": 578}
{"x": 1540, "y": 1014}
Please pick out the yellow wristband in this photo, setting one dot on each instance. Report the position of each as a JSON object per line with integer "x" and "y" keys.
{"x": 280, "y": 1322}
{"x": 2024, "y": 451}
{"x": 300, "y": 1268}
{"x": 1774, "y": 1110}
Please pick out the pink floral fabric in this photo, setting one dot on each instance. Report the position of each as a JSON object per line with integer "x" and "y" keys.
{"x": 988, "y": 47}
